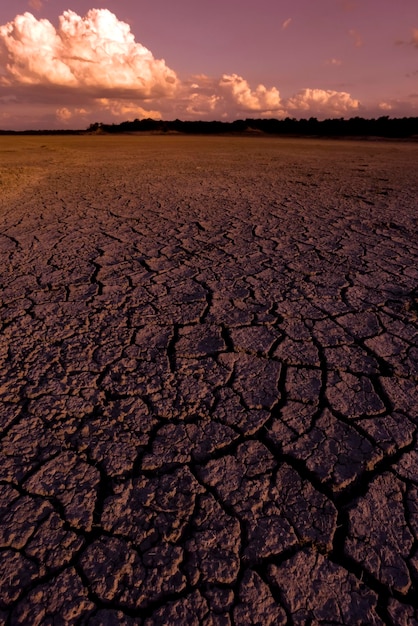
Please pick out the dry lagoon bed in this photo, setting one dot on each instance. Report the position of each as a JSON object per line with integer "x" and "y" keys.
{"x": 208, "y": 381}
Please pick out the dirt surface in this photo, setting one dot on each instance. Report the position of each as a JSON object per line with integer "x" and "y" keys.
{"x": 208, "y": 381}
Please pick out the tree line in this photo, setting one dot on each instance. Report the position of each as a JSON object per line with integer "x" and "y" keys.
{"x": 386, "y": 127}
{"x": 405, "y": 127}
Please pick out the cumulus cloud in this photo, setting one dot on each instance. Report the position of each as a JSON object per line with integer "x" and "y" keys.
{"x": 395, "y": 107}
{"x": 125, "y": 109}
{"x": 96, "y": 52}
{"x": 261, "y": 99}
{"x": 385, "y": 106}
{"x": 336, "y": 62}
{"x": 286, "y": 23}
{"x": 91, "y": 68}
{"x": 63, "y": 114}
{"x": 111, "y": 110}
{"x": 230, "y": 96}
{"x": 202, "y": 105}
{"x": 320, "y": 102}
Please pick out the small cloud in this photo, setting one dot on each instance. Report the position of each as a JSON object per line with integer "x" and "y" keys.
{"x": 355, "y": 35}
{"x": 286, "y": 23}
{"x": 63, "y": 114}
{"x": 385, "y": 106}
{"x": 110, "y": 109}
{"x": 36, "y": 4}
{"x": 411, "y": 42}
{"x": 122, "y": 109}
{"x": 395, "y": 107}
{"x": 335, "y": 62}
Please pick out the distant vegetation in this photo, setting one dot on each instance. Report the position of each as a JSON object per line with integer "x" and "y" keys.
{"x": 396, "y": 128}
{"x": 354, "y": 127}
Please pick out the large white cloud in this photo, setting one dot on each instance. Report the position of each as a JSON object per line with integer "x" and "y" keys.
{"x": 96, "y": 52}
{"x": 259, "y": 100}
{"x": 91, "y": 68}
{"x": 230, "y": 97}
{"x": 322, "y": 103}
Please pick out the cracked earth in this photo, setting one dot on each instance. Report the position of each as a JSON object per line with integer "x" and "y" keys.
{"x": 208, "y": 381}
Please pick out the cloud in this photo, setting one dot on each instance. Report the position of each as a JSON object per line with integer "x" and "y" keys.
{"x": 322, "y": 103}
{"x": 35, "y": 4}
{"x": 286, "y": 23}
{"x": 199, "y": 105}
{"x": 232, "y": 97}
{"x": 395, "y": 107}
{"x": 336, "y": 62}
{"x": 125, "y": 109}
{"x": 411, "y": 42}
{"x": 90, "y": 69}
{"x": 96, "y": 52}
{"x": 357, "y": 38}
{"x": 111, "y": 110}
{"x": 64, "y": 114}
{"x": 385, "y": 106}
{"x": 237, "y": 90}
{"x": 228, "y": 97}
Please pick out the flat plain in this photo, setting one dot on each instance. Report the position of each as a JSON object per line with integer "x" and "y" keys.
{"x": 208, "y": 381}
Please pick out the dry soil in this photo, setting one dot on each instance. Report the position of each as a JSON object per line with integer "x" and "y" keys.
{"x": 208, "y": 381}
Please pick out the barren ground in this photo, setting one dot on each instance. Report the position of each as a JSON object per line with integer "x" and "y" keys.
{"x": 208, "y": 381}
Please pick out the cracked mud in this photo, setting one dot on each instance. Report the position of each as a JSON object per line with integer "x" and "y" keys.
{"x": 208, "y": 381}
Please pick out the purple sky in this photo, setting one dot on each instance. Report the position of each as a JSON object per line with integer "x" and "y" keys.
{"x": 70, "y": 64}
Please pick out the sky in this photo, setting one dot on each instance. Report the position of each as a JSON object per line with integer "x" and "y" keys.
{"x": 68, "y": 64}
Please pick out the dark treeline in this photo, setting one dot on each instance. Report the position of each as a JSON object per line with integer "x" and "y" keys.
{"x": 355, "y": 127}
{"x": 43, "y": 132}
{"x": 395, "y": 128}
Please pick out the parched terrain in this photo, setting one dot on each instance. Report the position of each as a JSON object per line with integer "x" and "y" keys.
{"x": 209, "y": 390}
